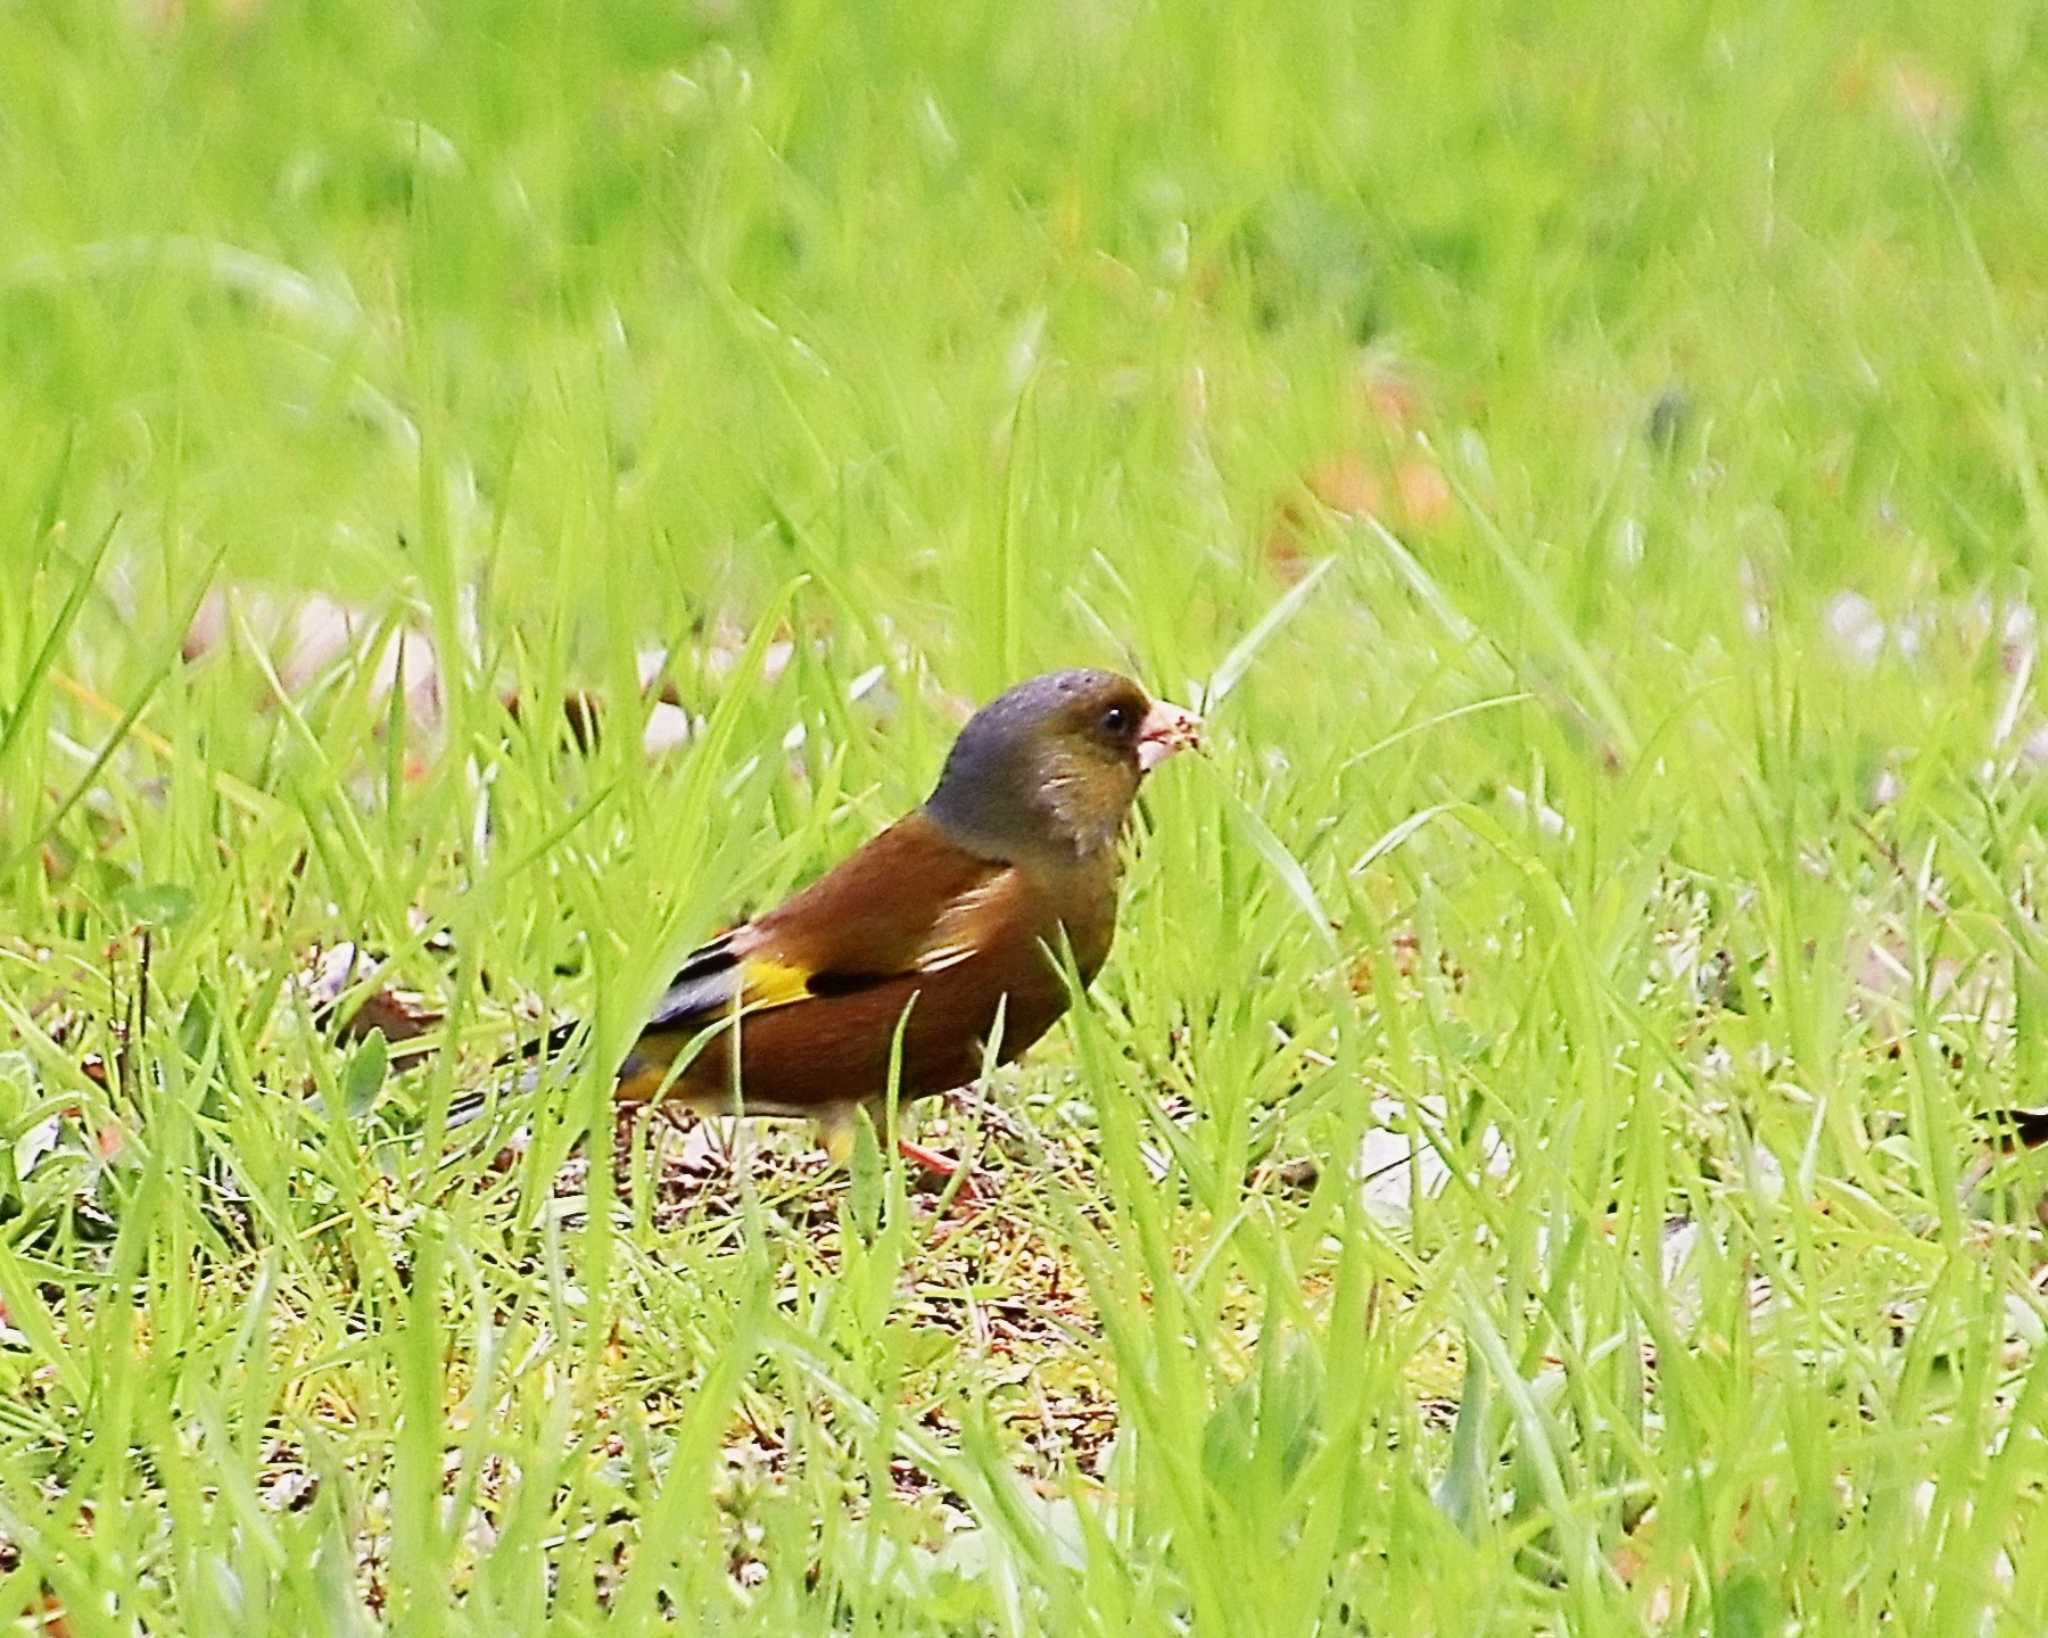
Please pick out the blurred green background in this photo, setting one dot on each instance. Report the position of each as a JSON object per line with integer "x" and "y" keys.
{"x": 1586, "y": 460}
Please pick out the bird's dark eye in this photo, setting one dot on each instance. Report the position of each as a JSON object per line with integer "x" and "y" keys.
{"x": 1117, "y": 720}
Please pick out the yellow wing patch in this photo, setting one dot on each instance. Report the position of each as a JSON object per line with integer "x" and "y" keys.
{"x": 766, "y": 982}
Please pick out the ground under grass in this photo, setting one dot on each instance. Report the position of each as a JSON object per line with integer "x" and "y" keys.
{"x": 493, "y": 493}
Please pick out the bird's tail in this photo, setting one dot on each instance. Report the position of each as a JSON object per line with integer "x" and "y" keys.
{"x": 2017, "y": 1128}
{"x": 550, "y": 1045}
{"x": 466, "y": 1108}
{"x": 556, "y": 1041}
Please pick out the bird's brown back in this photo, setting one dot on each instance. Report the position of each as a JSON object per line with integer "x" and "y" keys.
{"x": 832, "y": 1048}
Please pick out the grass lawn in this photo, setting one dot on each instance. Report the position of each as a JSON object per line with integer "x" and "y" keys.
{"x": 492, "y": 493}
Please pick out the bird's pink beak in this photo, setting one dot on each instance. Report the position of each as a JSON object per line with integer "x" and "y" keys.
{"x": 1166, "y": 729}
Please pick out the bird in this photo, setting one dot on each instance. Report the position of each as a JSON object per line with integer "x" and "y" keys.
{"x": 948, "y": 927}
{"x": 2016, "y": 1128}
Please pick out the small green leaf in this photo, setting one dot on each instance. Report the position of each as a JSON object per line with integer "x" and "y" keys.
{"x": 34, "y": 1145}
{"x": 195, "y": 1028}
{"x": 1744, "y": 1607}
{"x": 18, "y": 1084}
{"x": 1290, "y": 1411}
{"x": 363, "y": 1080}
{"x": 865, "y": 1178}
{"x": 156, "y": 904}
{"x": 1462, "y": 1491}
{"x": 1273, "y": 1416}
{"x": 1227, "y": 1442}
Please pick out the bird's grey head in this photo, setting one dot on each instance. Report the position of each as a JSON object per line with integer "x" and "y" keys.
{"x": 1049, "y": 769}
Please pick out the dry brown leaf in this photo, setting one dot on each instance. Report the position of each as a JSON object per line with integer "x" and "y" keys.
{"x": 397, "y": 1015}
{"x": 1409, "y": 494}
{"x": 1424, "y": 492}
{"x": 1389, "y": 396}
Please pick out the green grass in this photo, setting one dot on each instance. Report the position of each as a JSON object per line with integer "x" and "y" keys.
{"x": 1576, "y": 824}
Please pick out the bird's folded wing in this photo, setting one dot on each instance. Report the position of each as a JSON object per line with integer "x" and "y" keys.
{"x": 911, "y": 901}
